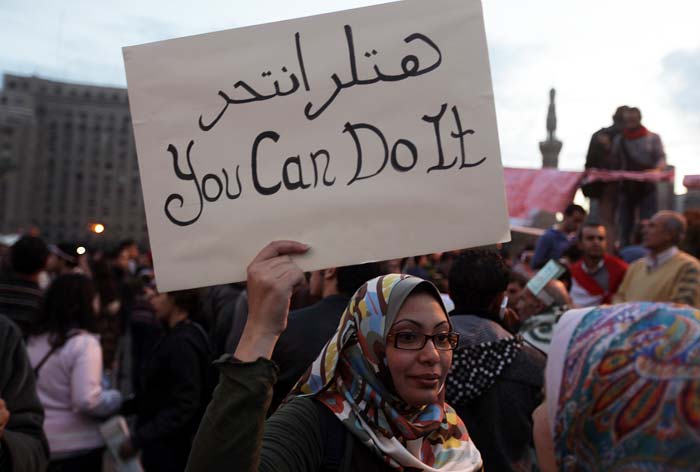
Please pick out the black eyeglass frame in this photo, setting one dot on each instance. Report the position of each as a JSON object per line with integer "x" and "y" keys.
{"x": 453, "y": 337}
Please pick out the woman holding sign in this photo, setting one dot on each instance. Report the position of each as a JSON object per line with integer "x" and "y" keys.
{"x": 373, "y": 400}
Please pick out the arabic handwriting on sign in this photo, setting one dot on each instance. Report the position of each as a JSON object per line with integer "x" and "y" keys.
{"x": 410, "y": 67}
{"x": 254, "y": 96}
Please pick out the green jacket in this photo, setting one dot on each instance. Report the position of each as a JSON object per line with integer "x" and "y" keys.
{"x": 23, "y": 446}
{"x": 234, "y": 436}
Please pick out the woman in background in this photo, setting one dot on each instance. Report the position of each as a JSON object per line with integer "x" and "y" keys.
{"x": 622, "y": 390}
{"x": 67, "y": 360}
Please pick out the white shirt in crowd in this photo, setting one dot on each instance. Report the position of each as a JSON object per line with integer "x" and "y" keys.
{"x": 70, "y": 389}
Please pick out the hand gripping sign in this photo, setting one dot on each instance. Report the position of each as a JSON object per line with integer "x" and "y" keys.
{"x": 368, "y": 134}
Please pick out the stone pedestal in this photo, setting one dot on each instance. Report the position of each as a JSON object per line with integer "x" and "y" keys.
{"x": 550, "y": 152}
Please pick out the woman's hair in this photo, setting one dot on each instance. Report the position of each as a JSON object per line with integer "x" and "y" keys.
{"x": 68, "y": 305}
{"x": 105, "y": 282}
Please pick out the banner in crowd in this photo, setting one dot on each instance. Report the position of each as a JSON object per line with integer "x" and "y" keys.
{"x": 692, "y": 182}
{"x": 368, "y": 134}
{"x": 606, "y": 175}
{"x": 532, "y": 190}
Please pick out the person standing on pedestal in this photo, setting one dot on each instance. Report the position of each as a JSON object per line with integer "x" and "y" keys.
{"x": 603, "y": 195}
{"x": 637, "y": 149}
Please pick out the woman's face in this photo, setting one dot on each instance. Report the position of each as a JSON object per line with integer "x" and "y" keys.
{"x": 419, "y": 375}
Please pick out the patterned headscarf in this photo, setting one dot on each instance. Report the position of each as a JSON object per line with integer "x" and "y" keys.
{"x": 629, "y": 398}
{"x": 351, "y": 377}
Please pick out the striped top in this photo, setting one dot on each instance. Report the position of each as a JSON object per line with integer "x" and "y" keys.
{"x": 20, "y": 300}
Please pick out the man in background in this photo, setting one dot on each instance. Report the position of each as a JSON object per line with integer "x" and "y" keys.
{"x": 637, "y": 149}
{"x": 20, "y": 295}
{"x": 540, "y": 310}
{"x": 666, "y": 274}
{"x": 604, "y": 195}
{"x": 556, "y": 240}
{"x": 596, "y": 277}
{"x": 310, "y": 328}
{"x": 496, "y": 379}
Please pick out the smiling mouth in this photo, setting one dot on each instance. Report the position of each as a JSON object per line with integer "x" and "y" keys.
{"x": 427, "y": 380}
{"x": 426, "y": 376}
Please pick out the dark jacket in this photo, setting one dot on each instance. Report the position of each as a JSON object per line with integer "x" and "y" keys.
{"x": 600, "y": 157}
{"x": 308, "y": 330}
{"x": 219, "y": 307}
{"x": 499, "y": 417}
{"x": 302, "y": 436}
{"x": 23, "y": 446}
{"x": 176, "y": 389}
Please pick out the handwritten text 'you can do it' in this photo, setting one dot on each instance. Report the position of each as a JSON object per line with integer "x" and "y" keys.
{"x": 295, "y": 174}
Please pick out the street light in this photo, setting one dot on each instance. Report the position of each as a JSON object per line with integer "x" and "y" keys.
{"x": 97, "y": 228}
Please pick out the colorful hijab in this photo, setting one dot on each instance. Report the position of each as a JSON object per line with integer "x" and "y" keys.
{"x": 626, "y": 394}
{"x": 352, "y": 379}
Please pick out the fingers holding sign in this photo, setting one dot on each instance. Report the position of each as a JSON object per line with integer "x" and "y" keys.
{"x": 272, "y": 278}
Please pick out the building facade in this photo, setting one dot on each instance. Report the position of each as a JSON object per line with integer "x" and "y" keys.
{"x": 68, "y": 162}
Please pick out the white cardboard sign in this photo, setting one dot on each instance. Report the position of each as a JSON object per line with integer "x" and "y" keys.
{"x": 368, "y": 134}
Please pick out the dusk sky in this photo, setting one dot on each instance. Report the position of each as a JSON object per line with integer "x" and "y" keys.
{"x": 597, "y": 54}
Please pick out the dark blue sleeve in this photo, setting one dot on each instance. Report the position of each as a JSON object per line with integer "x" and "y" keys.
{"x": 543, "y": 251}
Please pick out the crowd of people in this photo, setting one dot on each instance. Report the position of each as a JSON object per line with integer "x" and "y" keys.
{"x": 466, "y": 360}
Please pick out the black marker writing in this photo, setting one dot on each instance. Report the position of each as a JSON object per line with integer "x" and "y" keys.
{"x": 460, "y": 134}
{"x": 255, "y": 96}
{"x": 410, "y": 67}
{"x": 209, "y": 189}
{"x": 261, "y": 189}
{"x": 183, "y": 176}
{"x": 292, "y": 169}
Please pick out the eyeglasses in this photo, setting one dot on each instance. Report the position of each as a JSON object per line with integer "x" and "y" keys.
{"x": 412, "y": 341}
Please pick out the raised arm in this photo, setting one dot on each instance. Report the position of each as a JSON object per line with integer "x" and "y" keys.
{"x": 233, "y": 433}
{"x": 272, "y": 278}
